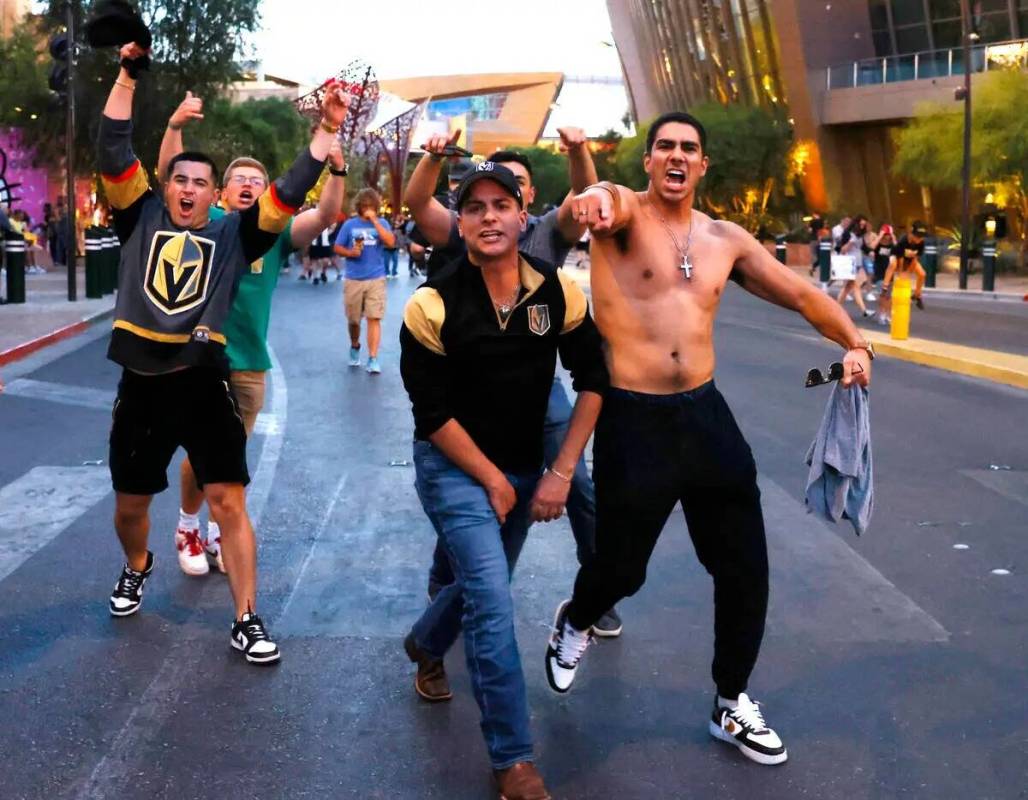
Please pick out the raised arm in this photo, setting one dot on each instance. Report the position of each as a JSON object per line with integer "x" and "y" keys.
{"x": 171, "y": 145}
{"x": 763, "y": 275}
{"x": 262, "y": 222}
{"x": 309, "y": 224}
{"x": 433, "y": 219}
{"x": 575, "y": 143}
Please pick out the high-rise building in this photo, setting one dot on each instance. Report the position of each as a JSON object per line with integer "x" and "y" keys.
{"x": 845, "y": 73}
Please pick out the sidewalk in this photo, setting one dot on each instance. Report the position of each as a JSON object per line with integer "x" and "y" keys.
{"x": 46, "y": 316}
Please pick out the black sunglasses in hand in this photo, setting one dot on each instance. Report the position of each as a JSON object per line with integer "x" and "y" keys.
{"x": 816, "y": 377}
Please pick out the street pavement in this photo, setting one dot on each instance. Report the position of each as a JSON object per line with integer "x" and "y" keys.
{"x": 893, "y": 666}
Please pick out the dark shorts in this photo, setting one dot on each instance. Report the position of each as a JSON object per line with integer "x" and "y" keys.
{"x": 154, "y": 415}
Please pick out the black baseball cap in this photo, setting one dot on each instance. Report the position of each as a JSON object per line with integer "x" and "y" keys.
{"x": 918, "y": 228}
{"x": 113, "y": 23}
{"x": 488, "y": 171}
{"x": 460, "y": 169}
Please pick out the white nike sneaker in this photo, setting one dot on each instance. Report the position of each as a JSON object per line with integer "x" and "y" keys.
{"x": 745, "y": 728}
{"x": 191, "y": 557}
{"x": 564, "y": 651}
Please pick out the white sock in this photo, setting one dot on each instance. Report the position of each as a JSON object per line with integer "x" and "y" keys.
{"x": 188, "y": 522}
{"x": 724, "y": 702}
{"x": 213, "y": 532}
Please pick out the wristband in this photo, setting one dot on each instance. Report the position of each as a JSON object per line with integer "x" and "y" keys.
{"x": 560, "y": 475}
{"x": 128, "y": 86}
{"x": 333, "y": 129}
{"x": 340, "y": 173}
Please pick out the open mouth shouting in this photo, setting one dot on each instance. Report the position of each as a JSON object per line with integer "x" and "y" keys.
{"x": 675, "y": 178}
{"x": 491, "y": 236}
{"x": 186, "y": 205}
{"x": 246, "y": 197}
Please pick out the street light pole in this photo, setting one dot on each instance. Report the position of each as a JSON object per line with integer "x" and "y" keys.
{"x": 965, "y": 213}
{"x": 69, "y": 157}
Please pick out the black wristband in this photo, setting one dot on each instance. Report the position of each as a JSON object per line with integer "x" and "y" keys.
{"x": 341, "y": 173}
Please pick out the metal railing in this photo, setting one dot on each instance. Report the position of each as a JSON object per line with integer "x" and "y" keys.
{"x": 927, "y": 64}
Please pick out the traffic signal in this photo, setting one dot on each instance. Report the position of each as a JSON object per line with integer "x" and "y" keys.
{"x": 60, "y": 51}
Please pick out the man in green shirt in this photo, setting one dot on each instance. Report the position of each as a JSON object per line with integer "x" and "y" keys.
{"x": 247, "y": 326}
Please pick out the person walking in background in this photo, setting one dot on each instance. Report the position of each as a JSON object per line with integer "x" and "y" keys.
{"x": 392, "y": 253}
{"x": 362, "y": 241}
{"x": 881, "y": 252}
{"x": 852, "y": 244}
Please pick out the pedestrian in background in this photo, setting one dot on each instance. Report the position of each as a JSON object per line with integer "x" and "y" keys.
{"x": 362, "y": 241}
{"x": 852, "y": 244}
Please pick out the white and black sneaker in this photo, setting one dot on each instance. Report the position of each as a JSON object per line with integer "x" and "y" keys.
{"x": 564, "y": 650}
{"x": 250, "y": 637}
{"x": 127, "y": 596}
{"x": 744, "y": 727}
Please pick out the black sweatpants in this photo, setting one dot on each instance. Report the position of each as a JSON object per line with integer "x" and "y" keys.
{"x": 650, "y": 452}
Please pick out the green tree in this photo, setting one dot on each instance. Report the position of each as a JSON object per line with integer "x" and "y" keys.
{"x": 929, "y": 149}
{"x": 196, "y": 46}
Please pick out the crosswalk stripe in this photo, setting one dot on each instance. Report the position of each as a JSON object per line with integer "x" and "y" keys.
{"x": 66, "y": 394}
{"x": 40, "y": 504}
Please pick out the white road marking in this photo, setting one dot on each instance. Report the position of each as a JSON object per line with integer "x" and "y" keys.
{"x": 114, "y": 775}
{"x": 64, "y": 393}
{"x": 40, "y": 504}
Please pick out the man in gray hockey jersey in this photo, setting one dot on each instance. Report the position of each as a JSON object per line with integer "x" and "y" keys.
{"x": 177, "y": 278}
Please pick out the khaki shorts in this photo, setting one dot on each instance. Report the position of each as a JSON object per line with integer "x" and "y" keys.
{"x": 364, "y": 299}
{"x": 248, "y": 387}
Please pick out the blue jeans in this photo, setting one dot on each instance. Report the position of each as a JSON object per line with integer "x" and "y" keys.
{"x": 581, "y": 505}
{"x": 392, "y": 260}
{"x": 482, "y": 554}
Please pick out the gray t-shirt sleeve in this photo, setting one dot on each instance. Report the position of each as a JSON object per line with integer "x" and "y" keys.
{"x": 544, "y": 240}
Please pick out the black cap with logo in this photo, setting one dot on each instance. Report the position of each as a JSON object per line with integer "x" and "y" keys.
{"x": 488, "y": 171}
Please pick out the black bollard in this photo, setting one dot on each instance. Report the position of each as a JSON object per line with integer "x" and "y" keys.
{"x": 94, "y": 257}
{"x": 931, "y": 261}
{"x": 14, "y": 247}
{"x": 989, "y": 265}
{"x": 824, "y": 261}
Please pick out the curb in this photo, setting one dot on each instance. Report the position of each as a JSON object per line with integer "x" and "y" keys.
{"x": 20, "y": 351}
{"x": 990, "y": 365}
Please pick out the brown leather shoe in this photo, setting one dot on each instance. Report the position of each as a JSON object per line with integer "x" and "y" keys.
{"x": 430, "y": 682}
{"x": 521, "y": 782}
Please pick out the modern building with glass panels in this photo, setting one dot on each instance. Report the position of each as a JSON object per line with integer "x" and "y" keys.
{"x": 846, "y": 73}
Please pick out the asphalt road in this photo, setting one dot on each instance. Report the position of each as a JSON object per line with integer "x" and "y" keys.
{"x": 894, "y": 664}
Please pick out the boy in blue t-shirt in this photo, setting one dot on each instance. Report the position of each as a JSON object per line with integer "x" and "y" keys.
{"x": 362, "y": 241}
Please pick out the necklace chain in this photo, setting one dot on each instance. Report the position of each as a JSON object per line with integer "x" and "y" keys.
{"x": 507, "y": 307}
{"x": 684, "y": 254}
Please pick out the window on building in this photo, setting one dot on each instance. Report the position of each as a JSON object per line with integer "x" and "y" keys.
{"x": 912, "y": 39}
{"x": 883, "y": 43}
{"x": 994, "y": 27}
{"x": 947, "y": 34}
{"x": 879, "y": 15}
{"x": 907, "y": 12}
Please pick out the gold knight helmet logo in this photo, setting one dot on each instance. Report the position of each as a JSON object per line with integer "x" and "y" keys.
{"x": 178, "y": 270}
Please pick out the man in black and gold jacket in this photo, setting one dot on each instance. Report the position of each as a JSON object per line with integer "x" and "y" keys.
{"x": 177, "y": 278}
{"x": 479, "y": 346}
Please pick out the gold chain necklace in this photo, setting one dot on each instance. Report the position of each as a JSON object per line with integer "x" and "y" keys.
{"x": 506, "y": 308}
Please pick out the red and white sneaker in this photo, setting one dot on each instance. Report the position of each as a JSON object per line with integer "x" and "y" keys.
{"x": 212, "y": 547}
{"x": 191, "y": 556}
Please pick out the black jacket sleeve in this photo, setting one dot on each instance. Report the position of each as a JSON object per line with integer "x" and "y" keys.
{"x": 581, "y": 352}
{"x": 423, "y": 372}
{"x": 124, "y": 180}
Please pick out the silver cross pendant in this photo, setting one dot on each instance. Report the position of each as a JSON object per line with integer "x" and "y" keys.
{"x": 686, "y": 267}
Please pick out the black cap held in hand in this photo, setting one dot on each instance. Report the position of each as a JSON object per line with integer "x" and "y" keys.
{"x": 488, "y": 171}
{"x": 114, "y": 23}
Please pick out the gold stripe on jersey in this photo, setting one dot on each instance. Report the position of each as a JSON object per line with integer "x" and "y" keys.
{"x": 424, "y": 315}
{"x": 124, "y": 189}
{"x": 164, "y": 338}
{"x": 575, "y": 304}
{"x": 274, "y": 214}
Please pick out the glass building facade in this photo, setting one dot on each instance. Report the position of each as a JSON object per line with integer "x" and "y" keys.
{"x": 899, "y": 27}
{"x": 698, "y": 50}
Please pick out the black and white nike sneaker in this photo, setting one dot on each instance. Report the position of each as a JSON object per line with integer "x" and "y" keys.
{"x": 250, "y": 637}
{"x": 127, "y": 596}
{"x": 745, "y": 728}
{"x": 564, "y": 650}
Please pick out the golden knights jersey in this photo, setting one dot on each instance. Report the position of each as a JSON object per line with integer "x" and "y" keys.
{"x": 175, "y": 286}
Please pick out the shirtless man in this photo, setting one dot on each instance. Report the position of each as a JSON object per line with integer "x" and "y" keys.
{"x": 665, "y": 433}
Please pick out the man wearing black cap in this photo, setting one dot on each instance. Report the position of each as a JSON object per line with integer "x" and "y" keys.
{"x": 479, "y": 345}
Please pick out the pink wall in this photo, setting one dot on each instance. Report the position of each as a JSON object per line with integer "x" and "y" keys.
{"x": 35, "y": 186}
